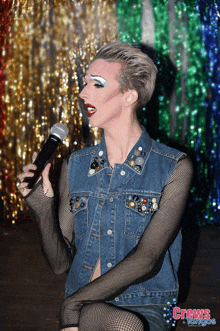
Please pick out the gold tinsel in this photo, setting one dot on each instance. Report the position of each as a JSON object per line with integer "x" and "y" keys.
{"x": 51, "y": 44}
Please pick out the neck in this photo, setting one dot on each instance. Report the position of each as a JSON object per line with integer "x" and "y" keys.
{"x": 120, "y": 138}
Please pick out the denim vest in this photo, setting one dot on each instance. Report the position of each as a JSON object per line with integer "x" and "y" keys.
{"x": 112, "y": 207}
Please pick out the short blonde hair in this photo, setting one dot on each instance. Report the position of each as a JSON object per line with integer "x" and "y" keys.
{"x": 138, "y": 70}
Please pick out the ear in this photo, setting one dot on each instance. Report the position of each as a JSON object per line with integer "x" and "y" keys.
{"x": 130, "y": 97}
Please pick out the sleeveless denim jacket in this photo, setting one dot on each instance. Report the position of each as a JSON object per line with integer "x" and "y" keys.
{"x": 112, "y": 208}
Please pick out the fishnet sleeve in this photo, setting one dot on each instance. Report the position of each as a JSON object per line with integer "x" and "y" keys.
{"x": 142, "y": 262}
{"x": 56, "y": 239}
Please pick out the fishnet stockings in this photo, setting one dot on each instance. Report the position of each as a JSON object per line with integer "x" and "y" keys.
{"x": 107, "y": 317}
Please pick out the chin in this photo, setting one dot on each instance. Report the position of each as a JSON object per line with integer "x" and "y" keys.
{"x": 95, "y": 122}
{"x": 102, "y": 123}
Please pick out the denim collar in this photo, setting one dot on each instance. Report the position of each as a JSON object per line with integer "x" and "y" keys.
{"x": 135, "y": 160}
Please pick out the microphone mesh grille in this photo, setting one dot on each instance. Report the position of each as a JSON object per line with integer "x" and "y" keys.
{"x": 60, "y": 130}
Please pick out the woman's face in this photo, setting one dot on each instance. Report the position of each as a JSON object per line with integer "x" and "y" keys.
{"x": 101, "y": 93}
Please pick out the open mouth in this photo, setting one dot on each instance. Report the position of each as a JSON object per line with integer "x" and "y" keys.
{"x": 90, "y": 110}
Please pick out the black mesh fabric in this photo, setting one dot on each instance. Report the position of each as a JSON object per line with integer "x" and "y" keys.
{"x": 107, "y": 317}
{"x": 142, "y": 263}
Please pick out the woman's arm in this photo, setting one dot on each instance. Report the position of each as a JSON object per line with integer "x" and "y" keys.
{"x": 144, "y": 261}
{"x": 56, "y": 241}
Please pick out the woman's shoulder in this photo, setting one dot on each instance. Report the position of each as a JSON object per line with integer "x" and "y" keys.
{"x": 83, "y": 152}
{"x": 165, "y": 150}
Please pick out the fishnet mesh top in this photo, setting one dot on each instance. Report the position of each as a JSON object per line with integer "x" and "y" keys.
{"x": 142, "y": 263}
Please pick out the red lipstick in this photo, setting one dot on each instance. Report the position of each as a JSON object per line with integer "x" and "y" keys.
{"x": 90, "y": 109}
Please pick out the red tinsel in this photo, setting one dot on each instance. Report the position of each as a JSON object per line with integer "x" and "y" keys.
{"x": 5, "y": 21}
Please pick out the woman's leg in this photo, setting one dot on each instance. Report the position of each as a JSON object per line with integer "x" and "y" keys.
{"x": 107, "y": 317}
{"x": 155, "y": 315}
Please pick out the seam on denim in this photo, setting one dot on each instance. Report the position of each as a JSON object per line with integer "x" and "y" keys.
{"x": 114, "y": 246}
{"x": 148, "y": 293}
{"x": 175, "y": 157}
{"x": 114, "y": 194}
{"x": 83, "y": 152}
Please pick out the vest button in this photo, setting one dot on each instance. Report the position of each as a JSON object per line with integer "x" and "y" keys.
{"x": 94, "y": 165}
{"x": 109, "y": 265}
{"x": 101, "y": 160}
{"x": 98, "y": 167}
{"x": 137, "y": 168}
{"x": 137, "y": 152}
{"x": 131, "y": 204}
{"x": 111, "y": 199}
{"x": 109, "y": 232}
{"x": 144, "y": 200}
{"x": 116, "y": 299}
{"x": 122, "y": 172}
{"x": 139, "y": 160}
{"x": 131, "y": 162}
{"x": 155, "y": 205}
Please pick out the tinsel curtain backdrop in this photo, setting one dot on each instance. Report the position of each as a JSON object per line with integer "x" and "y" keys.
{"x": 46, "y": 47}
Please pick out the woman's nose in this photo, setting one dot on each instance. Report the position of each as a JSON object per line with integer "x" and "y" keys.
{"x": 83, "y": 93}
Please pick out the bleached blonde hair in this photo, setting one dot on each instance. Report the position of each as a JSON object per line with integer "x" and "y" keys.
{"x": 138, "y": 70}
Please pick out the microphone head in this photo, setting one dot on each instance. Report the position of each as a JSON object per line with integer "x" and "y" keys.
{"x": 60, "y": 130}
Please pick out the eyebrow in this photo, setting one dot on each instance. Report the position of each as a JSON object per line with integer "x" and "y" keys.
{"x": 99, "y": 79}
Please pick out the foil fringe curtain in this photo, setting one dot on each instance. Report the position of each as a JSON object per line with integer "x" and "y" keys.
{"x": 45, "y": 72}
{"x": 51, "y": 44}
{"x": 187, "y": 93}
{"x": 187, "y": 33}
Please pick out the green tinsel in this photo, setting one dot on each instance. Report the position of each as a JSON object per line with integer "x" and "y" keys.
{"x": 129, "y": 14}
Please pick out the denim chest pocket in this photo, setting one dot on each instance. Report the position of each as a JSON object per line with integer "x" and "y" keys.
{"x": 138, "y": 212}
{"x": 79, "y": 207}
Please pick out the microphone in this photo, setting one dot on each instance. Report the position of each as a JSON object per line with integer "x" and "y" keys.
{"x": 58, "y": 134}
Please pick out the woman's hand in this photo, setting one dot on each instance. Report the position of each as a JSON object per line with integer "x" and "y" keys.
{"x": 71, "y": 329}
{"x": 47, "y": 187}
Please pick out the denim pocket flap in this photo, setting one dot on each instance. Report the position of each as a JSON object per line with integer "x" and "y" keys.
{"x": 142, "y": 204}
{"x": 78, "y": 203}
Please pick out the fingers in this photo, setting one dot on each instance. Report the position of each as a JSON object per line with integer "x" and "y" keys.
{"x": 26, "y": 173}
{"x": 47, "y": 187}
{"x": 46, "y": 171}
{"x": 23, "y": 188}
{"x": 28, "y": 167}
{"x": 34, "y": 156}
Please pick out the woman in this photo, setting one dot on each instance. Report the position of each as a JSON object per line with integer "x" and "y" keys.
{"x": 120, "y": 206}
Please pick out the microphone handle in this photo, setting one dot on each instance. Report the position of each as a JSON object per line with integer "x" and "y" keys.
{"x": 42, "y": 159}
